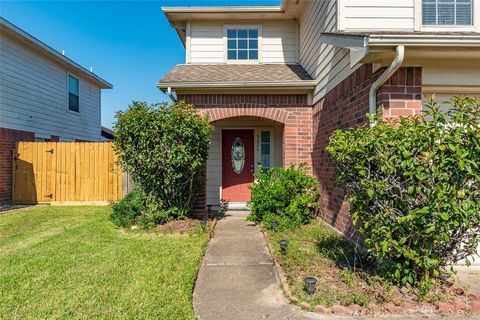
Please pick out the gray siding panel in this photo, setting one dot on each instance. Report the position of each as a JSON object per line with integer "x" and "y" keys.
{"x": 33, "y": 96}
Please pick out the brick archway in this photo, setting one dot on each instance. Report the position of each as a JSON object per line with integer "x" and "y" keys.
{"x": 260, "y": 112}
{"x": 290, "y": 110}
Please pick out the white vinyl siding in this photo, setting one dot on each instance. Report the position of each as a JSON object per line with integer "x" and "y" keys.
{"x": 328, "y": 64}
{"x": 278, "y": 42}
{"x": 206, "y": 43}
{"x": 377, "y": 15}
{"x": 34, "y": 96}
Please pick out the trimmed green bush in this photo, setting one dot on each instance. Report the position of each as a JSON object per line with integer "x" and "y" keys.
{"x": 287, "y": 195}
{"x": 164, "y": 148}
{"x": 125, "y": 213}
{"x": 414, "y": 188}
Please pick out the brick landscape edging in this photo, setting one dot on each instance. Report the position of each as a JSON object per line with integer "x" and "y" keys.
{"x": 279, "y": 271}
{"x": 439, "y": 308}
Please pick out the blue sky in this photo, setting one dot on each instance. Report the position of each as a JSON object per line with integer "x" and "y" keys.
{"x": 128, "y": 43}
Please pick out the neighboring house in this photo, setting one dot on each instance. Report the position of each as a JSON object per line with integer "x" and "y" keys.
{"x": 107, "y": 134}
{"x": 44, "y": 96}
{"x": 276, "y": 81}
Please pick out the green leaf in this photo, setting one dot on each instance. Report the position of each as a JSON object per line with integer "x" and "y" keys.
{"x": 370, "y": 193}
{"x": 430, "y": 229}
{"x": 410, "y": 189}
{"x": 384, "y": 247}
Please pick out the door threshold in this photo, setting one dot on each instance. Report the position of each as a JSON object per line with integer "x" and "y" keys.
{"x": 239, "y": 206}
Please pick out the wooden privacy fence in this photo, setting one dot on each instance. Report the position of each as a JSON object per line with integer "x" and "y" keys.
{"x": 66, "y": 173}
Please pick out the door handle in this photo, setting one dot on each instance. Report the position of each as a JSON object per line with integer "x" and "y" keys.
{"x": 251, "y": 169}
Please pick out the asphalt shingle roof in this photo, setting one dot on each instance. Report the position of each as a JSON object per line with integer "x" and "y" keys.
{"x": 235, "y": 72}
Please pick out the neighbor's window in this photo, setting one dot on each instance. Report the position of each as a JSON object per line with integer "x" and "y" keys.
{"x": 265, "y": 159}
{"x": 447, "y": 12}
{"x": 73, "y": 93}
{"x": 42, "y": 139}
{"x": 242, "y": 44}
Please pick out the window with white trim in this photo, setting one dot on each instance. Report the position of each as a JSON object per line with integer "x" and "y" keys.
{"x": 265, "y": 155}
{"x": 73, "y": 93}
{"x": 242, "y": 43}
{"x": 447, "y": 12}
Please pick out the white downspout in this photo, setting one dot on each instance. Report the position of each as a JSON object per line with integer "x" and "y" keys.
{"x": 170, "y": 94}
{"x": 396, "y": 64}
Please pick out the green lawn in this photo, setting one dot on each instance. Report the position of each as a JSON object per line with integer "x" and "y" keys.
{"x": 316, "y": 250}
{"x": 72, "y": 262}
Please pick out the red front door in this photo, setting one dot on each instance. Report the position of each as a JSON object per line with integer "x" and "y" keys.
{"x": 237, "y": 164}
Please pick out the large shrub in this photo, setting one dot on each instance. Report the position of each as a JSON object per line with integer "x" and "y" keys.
{"x": 125, "y": 213}
{"x": 164, "y": 148}
{"x": 287, "y": 195}
{"x": 414, "y": 188}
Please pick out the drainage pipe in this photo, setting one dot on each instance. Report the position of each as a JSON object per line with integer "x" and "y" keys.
{"x": 396, "y": 64}
{"x": 170, "y": 94}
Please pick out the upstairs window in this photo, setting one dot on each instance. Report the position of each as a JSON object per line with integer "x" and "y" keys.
{"x": 242, "y": 44}
{"x": 73, "y": 93}
{"x": 447, "y": 12}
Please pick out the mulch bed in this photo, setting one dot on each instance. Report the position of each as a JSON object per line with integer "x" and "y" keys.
{"x": 182, "y": 228}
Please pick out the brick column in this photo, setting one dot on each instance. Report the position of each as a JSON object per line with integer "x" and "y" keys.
{"x": 8, "y": 139}
{"x": 297, "y": 138}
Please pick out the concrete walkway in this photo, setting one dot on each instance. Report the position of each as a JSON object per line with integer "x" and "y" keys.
{"x": 237, "y": 279}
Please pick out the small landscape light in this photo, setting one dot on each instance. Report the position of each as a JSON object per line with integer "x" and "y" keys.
{"x": 274, "y": 224}
{"x": 283, "y": 246}
{"x": 204, "y": 223}
{"x": 310, "y": 283}
{"x": 209, "y": 207}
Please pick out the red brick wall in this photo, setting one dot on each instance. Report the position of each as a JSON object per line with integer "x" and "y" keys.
{"x": 8, "y": 138}
{"x": 292, "y": 110}
{"x": 344, "y": 107}
{"x": 401, "y": 95}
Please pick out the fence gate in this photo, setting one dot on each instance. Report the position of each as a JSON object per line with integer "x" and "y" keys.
{"x": 65, "y": 172}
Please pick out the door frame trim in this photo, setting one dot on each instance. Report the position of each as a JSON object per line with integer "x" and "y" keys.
{"x": 256, "y": 148}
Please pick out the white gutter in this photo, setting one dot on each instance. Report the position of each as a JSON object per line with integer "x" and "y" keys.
{"x": 170, "y": 94}
{"x": 296, "y": 84}
{"x": 424, "y": 40}
{"x": 396, "y": 64}
{"x": 222, "y": 9}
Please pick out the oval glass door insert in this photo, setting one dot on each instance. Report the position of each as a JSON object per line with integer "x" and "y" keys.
{"x": 238, "y": 155}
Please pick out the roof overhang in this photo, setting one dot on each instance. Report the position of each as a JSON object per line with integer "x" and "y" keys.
{"x": 178, "y": 16}
{"x": 297, "y": 85}
{"x": 7, "y": 28}
{"x": 369, "y": 47}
